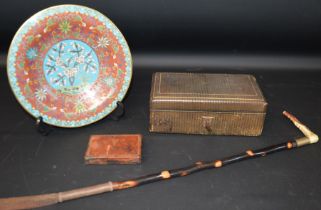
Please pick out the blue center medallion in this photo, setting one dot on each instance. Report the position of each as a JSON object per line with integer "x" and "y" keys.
{"x": 70, "y": 66}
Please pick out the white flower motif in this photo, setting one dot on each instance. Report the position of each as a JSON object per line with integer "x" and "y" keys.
{"x": 59, "y": 62}
{"x": 80, "y": 107}
{"x": 70, "y": 72}
{"x": 32, "y": 54}
{"x": 103, "y": 42}
{"x": 80, "y": 59}
{"x": 41, "y": 94}
{"x": 110, "y": 81}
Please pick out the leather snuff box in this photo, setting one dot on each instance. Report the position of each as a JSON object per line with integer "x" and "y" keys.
{"x": 114, "y": 149}
{"x": 210, "y": 104}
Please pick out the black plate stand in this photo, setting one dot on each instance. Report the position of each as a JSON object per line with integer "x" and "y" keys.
{"x": 119, "y": 112}
{"x": 45, "y": 129}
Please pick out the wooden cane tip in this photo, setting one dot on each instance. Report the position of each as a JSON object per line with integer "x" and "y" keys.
{"x": 287, "y": 114}
{"x": 291, "y": 117}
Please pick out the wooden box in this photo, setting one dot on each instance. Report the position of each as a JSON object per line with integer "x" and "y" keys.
{"x": 114, "y": 149}
{"x": 210, "y": 104}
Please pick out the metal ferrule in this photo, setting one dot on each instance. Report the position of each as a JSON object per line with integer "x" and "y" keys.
{"x": 302, "y": 141}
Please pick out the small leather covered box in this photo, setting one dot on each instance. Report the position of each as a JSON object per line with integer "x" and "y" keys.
{"x": 211, "y": 104}
{"x": 114, "y": 149}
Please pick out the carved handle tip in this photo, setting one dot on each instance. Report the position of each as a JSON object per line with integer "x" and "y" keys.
{"x": 310, "y": 137}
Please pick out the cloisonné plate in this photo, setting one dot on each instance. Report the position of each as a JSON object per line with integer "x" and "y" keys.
{"x": 69, "y": 64}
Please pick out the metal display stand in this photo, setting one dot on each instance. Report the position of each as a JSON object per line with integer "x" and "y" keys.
{"x": 45, "y": 129}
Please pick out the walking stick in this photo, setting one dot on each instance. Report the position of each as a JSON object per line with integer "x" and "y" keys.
{"x": 34, "y": 201}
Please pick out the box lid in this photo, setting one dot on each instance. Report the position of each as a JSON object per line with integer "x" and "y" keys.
{"x": 206, "y": 92}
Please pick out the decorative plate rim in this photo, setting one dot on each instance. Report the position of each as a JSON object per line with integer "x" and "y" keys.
{"x": 24, "y": 28}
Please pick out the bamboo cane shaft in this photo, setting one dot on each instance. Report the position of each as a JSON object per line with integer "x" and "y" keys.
{"x": 35, "y": 201}
{"x": 27, "y": 202}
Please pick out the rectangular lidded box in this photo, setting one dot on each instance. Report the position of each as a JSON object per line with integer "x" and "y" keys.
{"x": 114, "y": 149}
{"x": 210, "y": 104}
